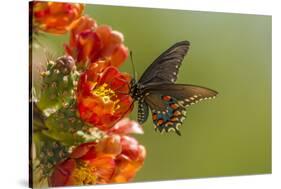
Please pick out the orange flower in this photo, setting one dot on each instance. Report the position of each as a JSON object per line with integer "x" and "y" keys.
{"x": 83, "y": 24}
{"x": 90, "y": 43}
{"x": 89, "y": 163}
{"x": 114, "y": 159}
{"x": 129, "y": 161}
{"x": 54, "y": 17}
{"x": 132, "y": 155}
{"x": 103, "y": 95}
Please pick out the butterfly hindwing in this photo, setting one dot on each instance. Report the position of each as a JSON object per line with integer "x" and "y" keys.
{"x": 165, "y": 68}
{"x": 167, "y": 114}
{"x": 168, "y": 103}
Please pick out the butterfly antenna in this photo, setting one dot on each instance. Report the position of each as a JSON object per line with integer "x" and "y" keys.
{"x": 133, "y": 66}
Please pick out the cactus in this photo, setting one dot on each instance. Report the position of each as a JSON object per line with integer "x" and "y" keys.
{"x": 66, "y": 126}
{"x": 56, "y": 124}
{"x": 58, "y": 132}
{"x": 48, "y": 153}
{"x": 57, "y": 135}
{"x": 59, "y": 84}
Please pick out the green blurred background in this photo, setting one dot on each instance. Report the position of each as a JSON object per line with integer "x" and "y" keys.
{"x": 230, "y": 53}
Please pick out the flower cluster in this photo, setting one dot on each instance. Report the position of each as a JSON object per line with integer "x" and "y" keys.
{"x": 116, "y": 158}
{"x": 89, "y": 43}
{"x": 56, "y": 18}
{"x": 98, "y": 98}
{"x": 103, "y": 91}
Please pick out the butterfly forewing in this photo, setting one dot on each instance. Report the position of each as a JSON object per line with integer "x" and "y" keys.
{"x": 185, "y": 94}
{"x": 165, "y": 68}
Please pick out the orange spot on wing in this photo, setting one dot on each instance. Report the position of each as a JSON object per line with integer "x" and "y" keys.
{"x": 174, "y": 106}
{"x": 166, "y": 98}
{"x": 177, "y": 113}
{"x": 159, "y": 122}
{"x": 174, "y": 119}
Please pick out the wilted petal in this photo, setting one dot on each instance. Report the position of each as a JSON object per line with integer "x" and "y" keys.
{"x": 110, "y": 146}
{"x": 126, "y": 126}
{"x": 129, "y": 161}
{"x": 130, "y": 147}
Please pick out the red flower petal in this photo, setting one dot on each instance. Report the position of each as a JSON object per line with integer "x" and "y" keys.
{"x": 104, "y": 166}
{"x": 109, "y": 75}
{"x": 83, "y": 24}
{"x": 88, "y": 46}
{"x": 62, "y": 173}
{"x": 119, "y": 55}
{"x": 82, "y": 150}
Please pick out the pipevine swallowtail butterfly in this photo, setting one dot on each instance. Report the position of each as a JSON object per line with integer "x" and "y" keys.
{"x": 156, "y": 90}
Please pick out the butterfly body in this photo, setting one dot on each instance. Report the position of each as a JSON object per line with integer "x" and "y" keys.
{"x": 156, "y": 90}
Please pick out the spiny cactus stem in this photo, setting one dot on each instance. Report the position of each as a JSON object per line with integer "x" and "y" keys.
{"x": 38, "y": 118}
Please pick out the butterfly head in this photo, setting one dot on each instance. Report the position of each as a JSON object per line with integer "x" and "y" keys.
{"x": 133, "y": 82}
{"x": 136, "y": 90}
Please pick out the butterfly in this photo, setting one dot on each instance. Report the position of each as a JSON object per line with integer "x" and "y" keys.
{"x": 156, "y": 90}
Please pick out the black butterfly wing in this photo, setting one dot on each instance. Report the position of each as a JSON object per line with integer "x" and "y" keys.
{"x": 168, "y": 103}
{"x": 185, "y": 93}
{"x": 167, "y": 114}
{"x": 165, "y": 68}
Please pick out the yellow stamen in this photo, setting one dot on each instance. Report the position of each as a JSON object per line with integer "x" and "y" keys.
{"x": 84, "y": 174}
{"x": 104, "y": 92}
